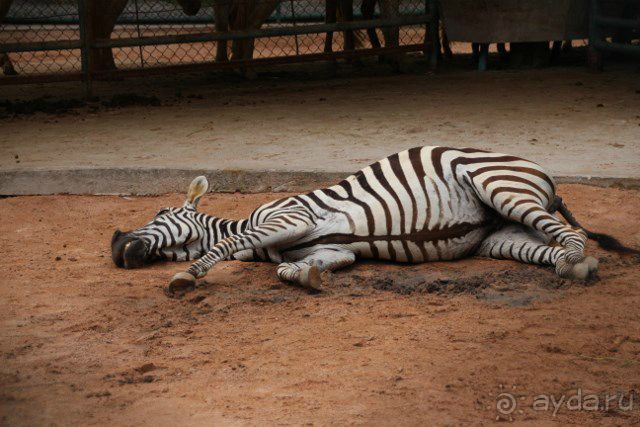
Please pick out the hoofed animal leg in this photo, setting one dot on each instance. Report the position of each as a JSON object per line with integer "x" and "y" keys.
{"x": 523, "y": 244}
{"x": 306, "y": 272}
{"x": 7, "y": 65}
{"x": 390, "y": 9}
{"x": 368, "y": 9}
{"x": 222, "y": 11}
{"x": 276, "y": 231}
{"x": 525, "y": 196}
{"x": 331, "y": 16}
{"x": 346, "y": 12}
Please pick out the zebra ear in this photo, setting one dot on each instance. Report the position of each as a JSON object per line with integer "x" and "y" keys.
{"x": 197, "y": 189}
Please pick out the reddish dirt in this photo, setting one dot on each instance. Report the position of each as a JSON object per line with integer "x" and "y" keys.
{"x": 83, "y": 342}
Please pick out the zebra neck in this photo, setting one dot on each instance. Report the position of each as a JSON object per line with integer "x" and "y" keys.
{"x": 221, "y": 228}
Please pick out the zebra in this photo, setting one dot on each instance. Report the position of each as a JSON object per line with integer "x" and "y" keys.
{"x": 423, "y": 204}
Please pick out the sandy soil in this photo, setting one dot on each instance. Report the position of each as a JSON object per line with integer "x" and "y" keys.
{"x": 83, "y": 342}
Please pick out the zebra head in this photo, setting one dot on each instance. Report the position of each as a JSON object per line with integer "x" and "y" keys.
{"x": 190, "y": 7}
{"x": 173, "y": 233}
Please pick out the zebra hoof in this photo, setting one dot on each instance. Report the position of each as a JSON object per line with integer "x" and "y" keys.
{"x": 182, "y": 282}
{"x": 581, "y": 271}
{"x": 311, "y": 279}
{"x": 592, "y": 263}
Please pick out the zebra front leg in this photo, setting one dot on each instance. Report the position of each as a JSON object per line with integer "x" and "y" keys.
{"x": 274, "y": 232}
{"x": 532, "y": 247}
{"x": 306, "y": 272}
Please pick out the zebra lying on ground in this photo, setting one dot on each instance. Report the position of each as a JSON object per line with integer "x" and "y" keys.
{"x": 422, "y": 204}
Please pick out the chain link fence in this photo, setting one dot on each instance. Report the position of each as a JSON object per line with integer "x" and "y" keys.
{"x": 67, "y": 39}
{"x": 31, "y": 21}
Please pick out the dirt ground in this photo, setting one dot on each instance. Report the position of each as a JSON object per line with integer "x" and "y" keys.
{"x": 83, "y": 342}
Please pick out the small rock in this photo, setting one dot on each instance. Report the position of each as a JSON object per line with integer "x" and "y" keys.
{"x": 58, "y": 258}
{"x": 197, "y": 299}
{"x": 600, "y": 105}
{"x": 552, "y": 349}
{"x": 147, "y": 367}
{"x": 148, "y": 378}
{"x": 98, "y": 394}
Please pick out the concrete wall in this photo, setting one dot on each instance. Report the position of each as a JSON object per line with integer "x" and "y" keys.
{"x": 489, "y": 21}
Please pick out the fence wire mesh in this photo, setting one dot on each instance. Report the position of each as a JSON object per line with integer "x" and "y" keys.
{"x": 24, "y": 21}
{"x": 29, "y": 21}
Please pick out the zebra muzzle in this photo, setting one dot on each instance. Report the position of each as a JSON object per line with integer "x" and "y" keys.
{"x": 128, "y": 251}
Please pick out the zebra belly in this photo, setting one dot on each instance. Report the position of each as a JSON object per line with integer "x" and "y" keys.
{"x": 430, "y": 245}
{"x": 456, "y": 241}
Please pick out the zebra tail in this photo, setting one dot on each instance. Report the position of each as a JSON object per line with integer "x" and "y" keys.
{"x": 605, "y": 241}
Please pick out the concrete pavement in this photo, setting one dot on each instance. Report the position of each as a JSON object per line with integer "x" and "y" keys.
{"x": 296, "y": 135}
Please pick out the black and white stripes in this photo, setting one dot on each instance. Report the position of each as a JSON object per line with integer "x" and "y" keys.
{"x": 422, "y": 204}
{"x": 182, "y": 234}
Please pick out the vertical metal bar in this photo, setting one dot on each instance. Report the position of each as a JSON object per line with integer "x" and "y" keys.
{"x": 484, "y": 57}
{"x": 85, "y": 49}
{"x": 434, "y": 34}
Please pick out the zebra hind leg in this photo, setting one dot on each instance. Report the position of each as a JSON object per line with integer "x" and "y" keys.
{"x": 534, "y": 215}
{"x": 523, "y": 244}
{"x": 531, "y": 206}
{"x": 307, "y": 271}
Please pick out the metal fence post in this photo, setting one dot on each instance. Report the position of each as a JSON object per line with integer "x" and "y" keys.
{"x": 84, "y": 15}
{"x": 434, "y": 34}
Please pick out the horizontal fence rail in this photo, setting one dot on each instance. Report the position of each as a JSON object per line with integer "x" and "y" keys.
{"x": 264, "y": 32}
{"x": 64, "y": 40}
